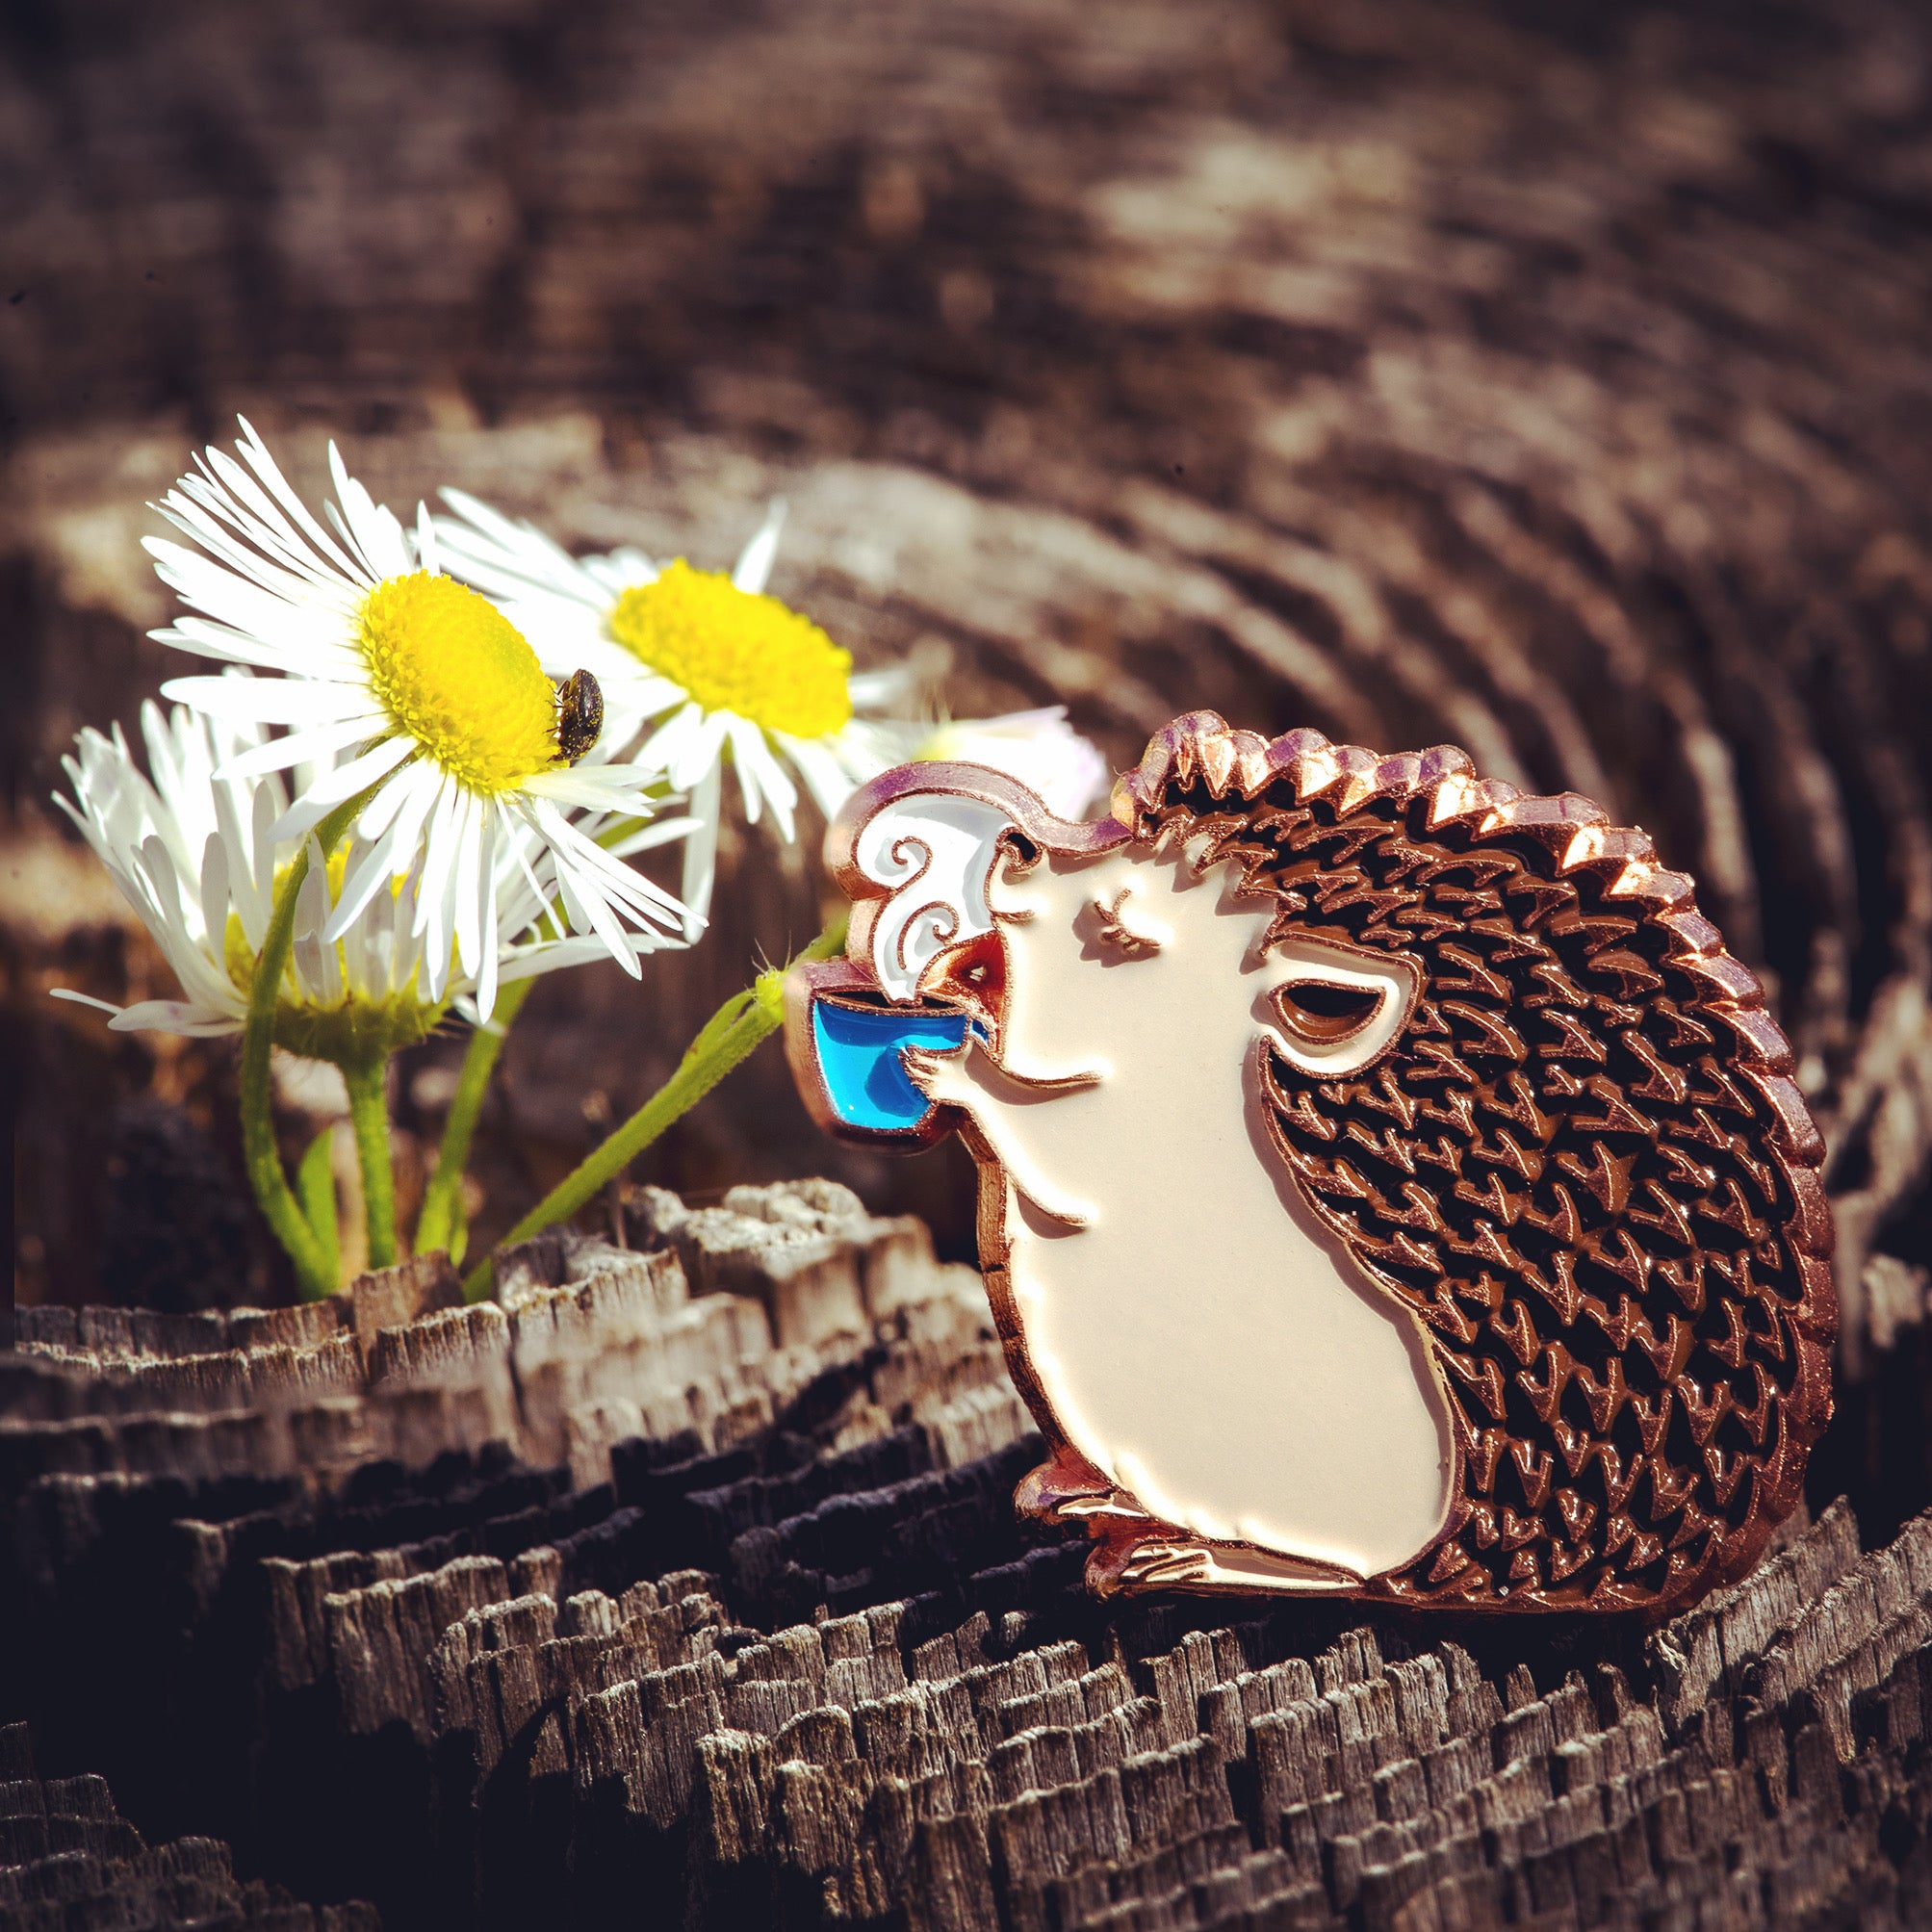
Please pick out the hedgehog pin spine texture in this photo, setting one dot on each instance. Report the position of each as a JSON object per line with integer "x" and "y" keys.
{"x": 1389, "y": 1186}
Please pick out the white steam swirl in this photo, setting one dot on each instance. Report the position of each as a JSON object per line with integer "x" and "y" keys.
{"x": 934, "y": 850}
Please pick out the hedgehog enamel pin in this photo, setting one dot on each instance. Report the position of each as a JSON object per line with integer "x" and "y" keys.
{"x": 1389, "y": 1185}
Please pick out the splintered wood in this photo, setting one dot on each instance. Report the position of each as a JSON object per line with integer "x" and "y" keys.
{"x": 776, "y": 1650}
{"x": 586, "y": 1344}
{"x": 68, "y": 1858}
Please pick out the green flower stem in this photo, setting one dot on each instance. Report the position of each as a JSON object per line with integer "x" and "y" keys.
{"x": 437, "y": 1225}
{"x": 369, "y": 1119}
{"x": 441, "y": 1223}
{"x": 272, "y": 1192}
{"x": 743, "y": 1023}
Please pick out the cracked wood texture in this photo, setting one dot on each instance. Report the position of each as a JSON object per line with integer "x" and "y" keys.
{"x": 685, "y": 1578}
{"x": 1413, "y": 374}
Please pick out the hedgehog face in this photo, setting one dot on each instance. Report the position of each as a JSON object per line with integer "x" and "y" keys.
{"x": 1087, "y": 946}
{"x": 1041, "y": 961}
{"x": 1131, "y": 983}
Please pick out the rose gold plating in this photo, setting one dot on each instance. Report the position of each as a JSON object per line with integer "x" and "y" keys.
{"x": 1582, "y": 1164}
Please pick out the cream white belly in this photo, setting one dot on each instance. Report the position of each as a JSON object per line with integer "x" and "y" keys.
{"x": 1195, "y": 1335}
{"x": 1242, "y": 1390}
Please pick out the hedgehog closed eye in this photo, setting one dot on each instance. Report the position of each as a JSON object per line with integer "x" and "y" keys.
{"x": 1323, "y": 1013}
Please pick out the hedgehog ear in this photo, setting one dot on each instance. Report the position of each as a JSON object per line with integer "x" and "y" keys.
{"x": 1333, "y": 1010}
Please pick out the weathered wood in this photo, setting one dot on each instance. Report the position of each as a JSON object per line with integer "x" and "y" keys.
{"x": 824, "y": 1679}
{"x": 587, "y": 1345}
{"x": 68, "y": 1858}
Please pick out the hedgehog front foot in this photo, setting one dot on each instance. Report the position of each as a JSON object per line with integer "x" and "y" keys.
{"x": 1134, "y": 1550}
{"x": 1124, "y": 1566}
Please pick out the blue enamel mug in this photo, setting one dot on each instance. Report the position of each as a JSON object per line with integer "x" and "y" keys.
{"x": 858, "y": 1047}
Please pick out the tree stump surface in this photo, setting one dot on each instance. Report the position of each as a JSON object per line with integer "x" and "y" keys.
{"x": 688, "y": 1573}
{"x": 1418, "y": 374}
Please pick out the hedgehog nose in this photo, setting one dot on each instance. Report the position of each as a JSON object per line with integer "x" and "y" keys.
{"x": 972, "y": 975}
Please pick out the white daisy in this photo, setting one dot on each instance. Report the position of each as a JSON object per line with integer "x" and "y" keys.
{"x": 197, "y": 857}
{"x": 1066, "y": 772}
{"x": 695, "y": 667}
{"x": 441, "y": 702}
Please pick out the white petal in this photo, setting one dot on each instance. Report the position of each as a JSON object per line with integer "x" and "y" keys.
{"x": 673, "y": 737}
{"x": 173, "y": 1015}
{"x": 311, "y": 906}
{"x": 378, "y": 864}
{"x": 752, "y": 568}
{"x": 339, "y": 785}
{"x": 597, "y": 910}
{"x": 511, "y": 559}
{"x": 701, "y": 853}
{"x": 598, "y": 881}
{"x": 301, "y": 748}
{"x": 659, "y": 832}
{"x": 215, "y": 891}
{"x": 261, "y": 845}
{"x": 231, "y": 578}
{"x": 468, "y": 881}
{"x": 84, "y": 1000}
{"x": 269, "y": 701}
{"x": 425, "y": 540}
{"x": 598, "y": 788}
{"x": 159, "y": 862}
{"x": 436, "y": 913}
{"x": 486, "y": 978}
{"x": 202, "y": 639}
{"x": 256, "y": 453}
{"x": 372, "y": 533}
{"x": 526, "y": 961}
{"x": 700, "y": 750}
{"x": 229, "y": 492}
{"x": 540, "y": 894}
{"x": 823, "y": 775}
{"x": 282, "y": 613}
{"x": 756, "y": 767}
{"x": 317, "y": 966}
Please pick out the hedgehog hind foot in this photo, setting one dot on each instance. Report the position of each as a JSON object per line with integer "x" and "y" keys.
{"x": 1130, "y": 1563}
{"x": 1135, "y": 1552}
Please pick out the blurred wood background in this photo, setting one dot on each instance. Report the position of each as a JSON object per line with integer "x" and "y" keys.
{"x": 1555, "y": 383}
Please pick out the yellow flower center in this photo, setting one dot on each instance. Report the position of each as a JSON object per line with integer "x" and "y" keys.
{"x": 455, "y": 675}
{"x": 734, "y": 651}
